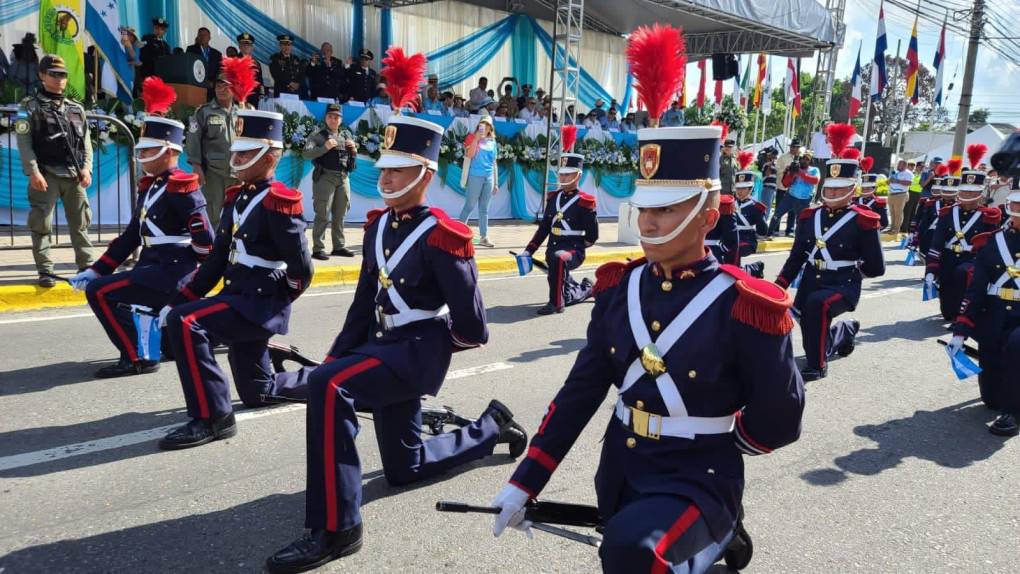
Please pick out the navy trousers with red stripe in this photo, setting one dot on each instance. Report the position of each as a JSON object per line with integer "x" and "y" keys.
{"x": 333, "y": 498}
{"x": 103, "y": 295}
{"x": 191, "y": 328}
{"x": 563, "y": 289}
{"x": 823, "y": 337}
{"x": 658, "y": 534}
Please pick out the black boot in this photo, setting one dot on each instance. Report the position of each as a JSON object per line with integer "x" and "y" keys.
{"x": 125, "y": 367}
{"x": 509, "y": 431}
{"x": 548, "y": 309}
{"x": 740, "y": 549}
{"x": 199, "y": 432}
{"x": 756, "y": 269}
{"x": 342, "y": 252}
{"x": 813, "y": 374}
{"x": 1005, "y": 425}
{"x": 316, "y": 548}
{"x": 847, "y": 348}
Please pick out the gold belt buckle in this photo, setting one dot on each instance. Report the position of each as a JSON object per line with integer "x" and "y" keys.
{"x": 1007, "y": 293}
{"x": 820, "y": 265}
{"x": 384, "y": 277}
{"x": 556, "y": 231}
{"x": 957, "y": 248}
{"x": 639, "y": 423}
{"x": 819, "y": 243}
{"x": 960, "y": 235}
{"x": 1014, "y": 272}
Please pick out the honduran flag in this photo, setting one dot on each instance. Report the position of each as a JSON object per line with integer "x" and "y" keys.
{"x": 940, "y": 63}
{"x": 856, "y": 88}
{"x": 913, "y": 65}
{"x": 878, "y": 77}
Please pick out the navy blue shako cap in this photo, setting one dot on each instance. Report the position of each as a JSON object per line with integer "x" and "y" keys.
{"x": 408, "y": 142}
{"x": 676, "y": 164}
{"x": 256, "y": 129}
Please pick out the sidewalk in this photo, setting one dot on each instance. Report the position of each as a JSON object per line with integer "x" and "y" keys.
{"x": 19, "y": 292}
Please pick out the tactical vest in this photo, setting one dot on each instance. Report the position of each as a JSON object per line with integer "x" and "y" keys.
{"x": 334, "y": 159}
{"x": 49, "y": 124}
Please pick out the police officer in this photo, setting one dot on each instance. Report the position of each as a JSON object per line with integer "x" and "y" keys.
{"x": 169, "y": 222}
{"x": 361, "y": 78}
{"x": 210, "y": 135}
{"x": 287, "y": 69}
{"x": 334, "y": 154}
{"x": 990, "y": 313}
{"x": 571, "y": 224}
{"x": 836, "y": 245}
{"x": 155, "y": 48}
{"x": 56, "y": 155}
{"x": 665, "y": 328}
{"x": 261, "y": 253}
{"x": 867, "y": 198}
{"x": 951, "y": 255}
{"x": 417, "y": 302}
{"x": 246, "y": 44}
{"x": 749, "y": 214}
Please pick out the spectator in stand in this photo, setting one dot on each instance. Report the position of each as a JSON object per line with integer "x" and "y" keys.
{"x": 629, "y": 126}
{"x": 509, "y": 101}
{"x": 590, "y": 121}
{"x": 800, "y": 179}
{"x": 540, "y": 94}
{"x": 612, "y": 122}
{"x": 132, "y": 49}
{"x": 155, "y": 48}
{"x": 899, "y": 184}
{"x": 381, "y": 98}
{"x": 502, "y": 112}
{"x": 448, "y": 104}
{"x": 432, "y": 101}
{"x": 362, "y": 79}
{"x": 998, "y": 188}
{"x": 211, "y": 56}
{"x": 326, "y": 74}
{"x": 672, "y": 117}
{"x": 598, "y": 113}
{"x": 287, "y": 69}
{"x": 529, "y": 113}
{"x": 821, "y": 151}
{"x": 478, "y": 94}
{"x": 231, "y": 52}
{"x": 24, "y": 68}
{"x": 522, "y": 100}
{"x": 431, "y": 81}
{"x": 459, "y": 109}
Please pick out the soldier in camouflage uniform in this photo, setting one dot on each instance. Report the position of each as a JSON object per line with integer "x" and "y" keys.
{"x": 333, "y": 151}
{"x": 56, "y": 155}
{"x": 210, "y": 133}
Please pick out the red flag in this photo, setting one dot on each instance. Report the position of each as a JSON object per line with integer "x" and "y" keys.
{"x": 718, "y": 92}
{"x": 701, "y": 85}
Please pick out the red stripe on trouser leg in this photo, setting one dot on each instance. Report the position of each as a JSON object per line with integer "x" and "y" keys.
{"x": 101, "y": 298}
{"x": 689, "y": 517}
{"x": 826, "y": 323}
{"x": 329, "y": 461}
{"x": 196, "y": 379}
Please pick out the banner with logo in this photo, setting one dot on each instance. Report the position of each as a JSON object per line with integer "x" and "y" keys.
{"x": 61, "y": 29}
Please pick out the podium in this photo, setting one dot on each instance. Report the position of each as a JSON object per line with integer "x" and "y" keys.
{"x": 187, "y": 75}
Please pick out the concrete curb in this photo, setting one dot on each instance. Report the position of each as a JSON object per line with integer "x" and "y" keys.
{"x": 32, "y": 297}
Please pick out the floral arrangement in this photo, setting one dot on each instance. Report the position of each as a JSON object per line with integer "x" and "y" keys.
{"x": 297, "y": 129}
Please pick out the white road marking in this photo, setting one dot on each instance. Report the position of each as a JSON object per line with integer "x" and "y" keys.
{"x": 889, "y": 291}
{"x": 53, "y": 318}
{"x": 129, "y": 439}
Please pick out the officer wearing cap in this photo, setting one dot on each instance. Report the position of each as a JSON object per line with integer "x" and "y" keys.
{"x": 868, "y": 199}
{"x": 334, "y": 155}
{"x": 56, "y": 155}
{"x": 287, "y": 69}
{"x": 361, "y": 78}
{"x": 749, "y": 215}
{"x": 726, "y": 167}
{"x": 246, "y": 44}
{"x": 990, "y": 312}
{"x": 417, "y": 302}
{"x": 571, "y": 224}
{"x": 262, "y": 256}
{"x": 155, "y": 48}
{"x": 169, "y": 223}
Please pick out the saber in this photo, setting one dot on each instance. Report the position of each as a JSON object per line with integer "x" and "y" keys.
{"x": 536, "y": 262}
{"x": 540, "y": 510}
{"x": 568, "y": 534}
{"x": 967, "y": 349}
{"x": 55, "y": 276}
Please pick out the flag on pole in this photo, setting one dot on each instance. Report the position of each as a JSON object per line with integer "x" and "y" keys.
{"x": 792, "y": 89}
{"x": 745, "y": 84}
{"x": 856, "y": 88}
{"x": 878, "y": 77}
{"x": 61, "y": 31}
{"x": 940, "y": 60}
{"x": 913, "y": 86}
{"x": 760, "y": 80}
{"x": 718, "y": 92}
{"x": 701, "y": 85}
{"x": 736, "y": 85}
{"x": 766, "y": 102}
{"x": 102, "y": 21}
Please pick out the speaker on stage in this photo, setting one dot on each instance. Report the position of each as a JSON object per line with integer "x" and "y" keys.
{"x": 724, "y": 66}
{"x": 187, "y": 75}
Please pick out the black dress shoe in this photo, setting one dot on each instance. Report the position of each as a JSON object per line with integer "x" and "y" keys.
{"x": 811, "y": 374}
{"x": 756, "y": 269}
{"x": 548, "y": 309}
{"x": 125, "y": 368}
{"x": 315, "y": 548}
{"x": 510, "y": 432}
{"x": 320, "y": 255}
{"x": 342, "y": 252}
{"x": 47, "y": 281}
{"x": 199, "y": 432}
{"x": 1005, "y": 425}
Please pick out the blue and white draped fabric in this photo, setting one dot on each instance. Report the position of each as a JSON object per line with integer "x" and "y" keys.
{"x": 149, "y": 335}
{"x": 236, "y": 16}
{"x": 11, "y": 10}
{"x": 524, "y": 264}
{"x": 963, "y": 366}
{"x": 590, "y": 89}
{"x": 102, "y": 21}
{"x": 911, "y": 256}
{"x": 459, "y": 60}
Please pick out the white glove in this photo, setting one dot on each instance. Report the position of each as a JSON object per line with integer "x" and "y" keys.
{"x": 955, "y": 344}
{"x": 929, "y": 278}
{"x": 511, "y": 500}
{"x": 81, "y": 280}
{"x": 162, "y": 315}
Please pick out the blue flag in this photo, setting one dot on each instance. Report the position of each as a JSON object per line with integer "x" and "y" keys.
{"x": 963, "y": 366}
{"x": 796, "y": 280}
{"x": 904, "y": 241}
{"x": 524, "y": 264}
{"x": 930, "y": 291}
{"x": 911, "y": 256}
{"x": 149, "y": 335}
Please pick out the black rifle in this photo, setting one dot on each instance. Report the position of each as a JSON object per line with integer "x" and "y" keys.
{"x": 544, "y": 514}
{"x": 540, "y": 264}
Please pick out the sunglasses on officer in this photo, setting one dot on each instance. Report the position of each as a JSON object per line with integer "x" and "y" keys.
{"x": 59, "y": 74}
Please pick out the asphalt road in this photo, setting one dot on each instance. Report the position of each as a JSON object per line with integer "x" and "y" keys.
{"x": 895, "y": 471}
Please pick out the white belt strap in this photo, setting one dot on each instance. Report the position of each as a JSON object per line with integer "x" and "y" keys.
{"x": 1007, "y": 260}
{"x": 957, "y": 239}
{"x": 821, "y": 239}
{"x": 679, "y": 427}
{"x": 241, "y": 256}
{"x": 405, "y": 314}
{"x": 166, "y": 240}
{"x": 935, "y": 220}
{"x": 744, "y": 223}
{"x": 712, "y": 242}
{"x": 560, "y": 210}
{"x": 239, "y": 219}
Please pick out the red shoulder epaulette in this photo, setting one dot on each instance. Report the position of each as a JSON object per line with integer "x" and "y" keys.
{"x": 283, "y": 199}
{"x": 807, "y": 212}
{"x": 992, "y": 215}
{"x": 551, "y": 195}
{"x": 761, "y": 304}
{"x": 945, "y": 210}
{"x": 373, "y": 215}
{"x": 881, "y": 201}
{"x": 182, "y": 182}
{"x": 230, "y": 194}
{"x": 727, "y": 205}
{"x": 451, "y": 235}
{"x": 609, "y": 275}
{"x": 982, "y": 239}
{"x": 867, "y": 219}
{"x": 587, "y": 201}
{"x": 761, "y": 206}
{"x": 145, "y": 182}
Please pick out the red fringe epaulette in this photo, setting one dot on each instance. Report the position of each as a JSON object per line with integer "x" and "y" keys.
{"x": 881, "y": 201}
{"x": 992, "y": 215}
{"x": 450, "y": 235}
{"x": 807, "y": 212}
{"x": 946, "y": 210}
{"x": 283, "y": 199}
{"x": 867, "y": 219}
{"x": 373, "y": 215}
{"x": 982, "y": 239}
{"x": 145, "y": 182}
{"x": 761, "y": 206}
{"x": 727, "y": 205}
{"x": 231, "y": 193}
{"x": 587, "y": 201}
{"x": 761, "y": 304}
{"x": 609, "y": 275}
{"x": 182, "y": 182}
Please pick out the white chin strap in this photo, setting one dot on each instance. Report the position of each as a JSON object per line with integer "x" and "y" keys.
{"x": 145, "y": 160}
{"x": 969, "y": 199}
{"x": 406, "y": 188}
{"x": 679, "y": 228}
{"x": 1012, "y": 213}
{"x": 249, "y": 163}
{"x": 577, "y": 177}
{"x": 829, "y": 202}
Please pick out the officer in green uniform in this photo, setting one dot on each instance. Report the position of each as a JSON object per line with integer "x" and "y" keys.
{"x": 334, "y": 153}
{"x": 287, "y": 69}
{"x": 210, "y": 133}
{"x": 56, "y": 155}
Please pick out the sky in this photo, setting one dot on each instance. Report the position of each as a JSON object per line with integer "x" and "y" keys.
{"x": 995, "y": 85}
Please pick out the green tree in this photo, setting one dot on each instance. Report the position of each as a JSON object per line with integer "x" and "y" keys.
{"x": 979, "y": 116}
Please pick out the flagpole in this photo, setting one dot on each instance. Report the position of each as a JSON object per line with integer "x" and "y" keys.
{"x": 867, "y": 124}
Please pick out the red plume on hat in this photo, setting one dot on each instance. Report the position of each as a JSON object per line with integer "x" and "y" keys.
{"x": 867, "y": 162}
{"x": 745, "y": 158}
{"x": 240, "y": 72}
{"x": 657, "y": 57}
{"x": 954, "y": 166}
{"x": 942, "y": 170}
{"x": 851, "y": 153}
{"x": 157, "y": 96}
{"x": 975, "y": 152}
{"x": 404, "y": 74}
{"x": 839, "y": 137}
{"x": 725, "y": 128}
{"x": 568, "y": 137}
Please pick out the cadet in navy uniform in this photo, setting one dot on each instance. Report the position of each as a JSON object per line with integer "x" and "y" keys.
{"x": 572, "y": 226}
{"x": 416, "y": 303}
{"x": 169, "y": 222}
{"x": 839, "y": 243}
{"x": 724, "y": 239}
{"x": 943, "y": 193}
{"x": 990, "y": 313}
{"x": 867, "y": 198}
{"x": 670, "y": 478}
{"x": 261, "y": 253}
{"x": 750, "y": 216}
{"x": 950, "y": 258}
